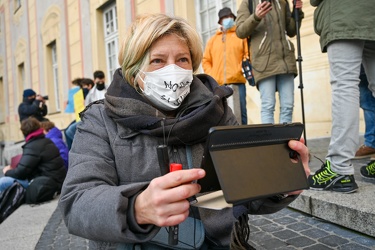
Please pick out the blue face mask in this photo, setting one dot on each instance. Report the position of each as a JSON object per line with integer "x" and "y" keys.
{"x": 228, "y": 23}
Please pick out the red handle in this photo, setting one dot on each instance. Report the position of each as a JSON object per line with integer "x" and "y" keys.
{"x": 175, "y": 167}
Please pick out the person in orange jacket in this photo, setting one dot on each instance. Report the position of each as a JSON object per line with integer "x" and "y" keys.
{"x": 222, "y": 60}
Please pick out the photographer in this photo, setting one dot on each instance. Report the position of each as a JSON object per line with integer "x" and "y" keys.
{"x": 33, "y": 105}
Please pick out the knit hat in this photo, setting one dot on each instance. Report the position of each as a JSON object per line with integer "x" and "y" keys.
{"x": 225, "y": 12}
{"x": 28, "y": 92}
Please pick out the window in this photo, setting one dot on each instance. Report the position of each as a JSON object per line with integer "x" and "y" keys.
{"x": 111, "y": 39}
{"x": 20, "y": 80}
{"x": 55, "y": 76}
{"x": 52, "y": 78}
{"x": 207, "y": 16}
{"x": 2, "y": 101}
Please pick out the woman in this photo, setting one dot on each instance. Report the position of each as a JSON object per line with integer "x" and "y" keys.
{"x": 114, "y": 194}
{"x": 272, "y": 54}
{"x": 40, "y": 157}
{"x": 54, "y": 134}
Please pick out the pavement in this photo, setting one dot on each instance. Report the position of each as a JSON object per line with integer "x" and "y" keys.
{"x": 316, "y": 220}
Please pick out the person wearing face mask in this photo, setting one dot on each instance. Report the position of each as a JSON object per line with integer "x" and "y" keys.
{"x": 269, "y": 25}
{"x": 222, "y": 59}
{"x": 86, "y": 84}
{"x": 99, "y": 90}
{"x": 114, "y": 194}
{"x": 33, "y": 105}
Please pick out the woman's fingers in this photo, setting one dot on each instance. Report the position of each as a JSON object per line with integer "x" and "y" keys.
{"x": 164, "y": 201}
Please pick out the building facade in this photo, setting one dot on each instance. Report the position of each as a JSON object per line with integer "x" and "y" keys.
{"x": 44, "y": 45}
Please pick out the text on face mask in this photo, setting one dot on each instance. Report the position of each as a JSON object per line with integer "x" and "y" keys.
{"x": 175, "y": 86}
{"x": 178, "y": 101}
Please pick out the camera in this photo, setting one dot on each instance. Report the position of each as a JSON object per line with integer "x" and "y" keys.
{"x": 45, "y": 97}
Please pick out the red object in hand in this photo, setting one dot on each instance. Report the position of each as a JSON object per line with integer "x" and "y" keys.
{"x": 175, "y": 167}
{"x": 173, "y": 230}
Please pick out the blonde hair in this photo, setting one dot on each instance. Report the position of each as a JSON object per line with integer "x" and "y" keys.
{"x": 144, "y": 31}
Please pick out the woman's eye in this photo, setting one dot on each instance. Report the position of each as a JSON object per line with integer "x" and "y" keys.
{"x": 156, "y": 61}
{"x": 184, "y": 59}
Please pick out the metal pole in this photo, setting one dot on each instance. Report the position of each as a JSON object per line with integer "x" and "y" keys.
{"x": 299, "y": 60}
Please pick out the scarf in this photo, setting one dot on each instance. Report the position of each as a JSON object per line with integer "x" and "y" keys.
{"x": 34, "y": 134}
{"x": 205, "y": 107}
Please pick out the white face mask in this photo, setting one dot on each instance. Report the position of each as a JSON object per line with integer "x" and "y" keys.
{"x": 167, "y": 87}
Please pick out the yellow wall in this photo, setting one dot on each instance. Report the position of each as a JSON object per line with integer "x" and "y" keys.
{"x": 317, "y": 92}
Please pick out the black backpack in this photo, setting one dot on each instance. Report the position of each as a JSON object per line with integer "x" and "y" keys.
{"x": 11, "y": 199}
{"x": 41, "y": 189}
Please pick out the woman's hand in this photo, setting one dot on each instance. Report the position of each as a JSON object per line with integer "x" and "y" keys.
{"x": 303, "y": 151}
{"x": 262, "y": 9}
{"x": 163, "y": 202}
{"x": 5, "y": 169}
{"x": 299, "y": 4}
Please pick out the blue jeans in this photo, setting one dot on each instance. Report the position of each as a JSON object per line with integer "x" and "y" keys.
{"x": 237, "y": 102}
{"x": 345, "y": 58}
{"x": 7, "y": 181}
{"x": 242, "y": 90}
{"x": 284, "y": 84}
{"x": 69, "y": 133}
{"x": 367, "y": 103}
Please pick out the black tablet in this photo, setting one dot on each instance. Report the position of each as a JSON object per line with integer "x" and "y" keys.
{"x": 252, "y": 161}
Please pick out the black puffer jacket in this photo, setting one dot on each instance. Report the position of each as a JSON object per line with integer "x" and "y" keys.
{"x": 40, "y": 157}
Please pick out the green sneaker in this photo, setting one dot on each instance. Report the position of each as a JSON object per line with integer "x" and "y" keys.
{"x": 369, "y": 170}
{"x": 326, "y": 179}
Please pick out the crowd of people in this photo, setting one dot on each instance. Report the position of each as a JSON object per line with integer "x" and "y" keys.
{"x": 157, "y": 98}
{"x": 45, "y": 155}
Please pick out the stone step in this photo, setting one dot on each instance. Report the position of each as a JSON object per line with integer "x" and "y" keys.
{"x": 354, "y": 211}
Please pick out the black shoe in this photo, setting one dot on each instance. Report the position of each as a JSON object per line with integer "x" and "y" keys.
{"x": 368, "y": 171}
{"x": 326, "y": 179}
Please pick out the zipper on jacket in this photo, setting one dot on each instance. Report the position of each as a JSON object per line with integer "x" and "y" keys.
{"x": 175, "y": 156}
{"x": 263, "y": 40}
{"x": 224, "y": 38}
{"x": 278, "y": 3}
{"x": 287, "y": 40}
{"x": 281, "y": 39}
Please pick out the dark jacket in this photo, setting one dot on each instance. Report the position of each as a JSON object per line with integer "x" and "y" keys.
{"x": 32, "y": 108}
{"x": 114, "y": 158}
{"x": 272, "y": 53}
{"x": 55, "y": 135}
{"x": 344, "y": 19}
{"x": 40, "y": 157}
